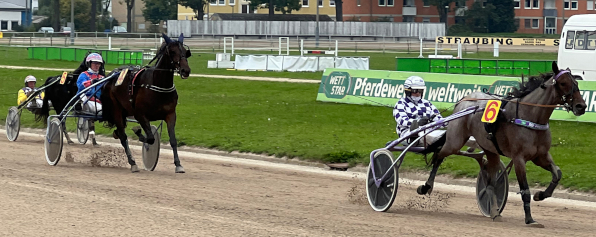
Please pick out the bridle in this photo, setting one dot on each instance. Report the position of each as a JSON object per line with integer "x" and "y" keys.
{"x": 177, "y": 65}
{"x": 566, "y": 98}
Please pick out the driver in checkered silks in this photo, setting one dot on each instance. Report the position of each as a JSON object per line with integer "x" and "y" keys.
{"x": 412, "y": 111}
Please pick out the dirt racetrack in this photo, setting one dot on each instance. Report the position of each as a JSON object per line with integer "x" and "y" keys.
{"x": 91, "y": 192}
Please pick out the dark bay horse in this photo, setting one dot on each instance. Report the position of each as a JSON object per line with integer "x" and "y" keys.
{"x": 148, "y": 95}
{"x": 60, "y": 94}
{"x": 533, "y": 101}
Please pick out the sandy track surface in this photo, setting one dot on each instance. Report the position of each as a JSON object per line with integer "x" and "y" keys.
{"x": 91, "y": 192}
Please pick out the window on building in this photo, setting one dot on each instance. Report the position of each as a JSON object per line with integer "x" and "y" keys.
{"x": 232, "y": 2}
{"x": 569, "y": 40}
{"x": 516, "y": 4}
{"x": 332, "y": 3}
{"x": 528, "y": 4}
{"x": 407, "y": 3}
{"x": 382, "y": 3}
{"x": 213, "y": 2}
{"x": 426, "y": 3}
{"x": 3, "y": 25}
{"x": 304, "y": 3}
{"x": 320, "y": 3}
{"x": 590, "y": 6}
{"x": 573, "y": 5}
{"x": 14, "y": 25}
{"x": 358, "y": 2}
{"x": 408, "y": 19}
{"x": 517, "y": 23}
{"x": 527, "y": 23}
{"x": 426, "y": 19}
{"x": 390, "y": 3}
{"x": 535, "y": 4}
{"x": 222, "y": 2}
{"x": 566, "y": 5}
{"x": 535, "y": 23}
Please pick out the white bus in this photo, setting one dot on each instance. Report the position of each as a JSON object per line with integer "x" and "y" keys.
{"x": 577, "y": 50}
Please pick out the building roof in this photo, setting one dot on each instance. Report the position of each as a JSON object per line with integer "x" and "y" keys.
{"x": 12, "y": 4}
{"x": 265, "y": 17}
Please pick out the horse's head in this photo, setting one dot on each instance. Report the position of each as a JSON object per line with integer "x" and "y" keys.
{"x": 567, "y": 88}
{"x": 178, "y": 54}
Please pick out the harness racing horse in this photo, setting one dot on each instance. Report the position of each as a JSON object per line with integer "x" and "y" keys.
{"x": 60, "y": 95}
{"x": 522, "y": 133}
{"x": 149, "y": 95}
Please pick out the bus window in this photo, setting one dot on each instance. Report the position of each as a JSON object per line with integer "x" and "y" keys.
{"x": 580, "y": 40}
{"x": 569, "y": 41}
{"x": 591, "y": 40}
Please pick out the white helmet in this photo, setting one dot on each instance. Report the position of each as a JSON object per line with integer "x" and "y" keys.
{"x": 414, "y": 82}
{"x": 30, "y": 78}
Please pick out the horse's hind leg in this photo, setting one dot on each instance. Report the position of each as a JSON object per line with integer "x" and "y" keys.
{"x": 66, "y": 134}
{"x": 492, "y": 167}
{"x": 547, "y": 163}
{"x": 171, "y": 122}
{"x": 92, "y": 132}
{"x": 452, "y": 146}
{"x": 520, "y": 171}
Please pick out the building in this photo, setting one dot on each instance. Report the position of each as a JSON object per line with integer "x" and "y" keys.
{"x": 139, "y": 24}
{"x": 13, "y": 13}
{"x": 533, "y": 16}
{"x": 326, "y": 7}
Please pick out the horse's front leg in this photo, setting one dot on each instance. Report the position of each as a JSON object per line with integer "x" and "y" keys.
{"x": 547, "y": 163}
{"x": 146, "y": 126}
{"x": 520, "y": 172}
{"x": 171, "y": 122}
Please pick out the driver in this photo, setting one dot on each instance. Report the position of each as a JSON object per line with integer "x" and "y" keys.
{"x": 26, "y": 91}
{"x": 412, "y": 111}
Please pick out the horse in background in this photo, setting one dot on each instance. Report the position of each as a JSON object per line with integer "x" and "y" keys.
{"x": 60, "y": 94}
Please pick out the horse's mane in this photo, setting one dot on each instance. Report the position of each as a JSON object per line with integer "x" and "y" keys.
{"x": 524, "y": 88}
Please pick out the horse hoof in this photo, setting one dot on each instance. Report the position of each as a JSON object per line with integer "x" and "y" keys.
{"x": 498, "y": 218}
{"x": 115, "y": 135}
{"x": 180, "y": 169}
{"x": 539, "y": 196}
{"x": 423, "y": 189}
{"x": 134, "y": 169}
{"x": 535, "y": 225}
{"x": 70, "y": 142}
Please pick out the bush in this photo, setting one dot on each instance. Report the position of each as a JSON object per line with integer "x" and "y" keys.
{"x": 458, "y": 29}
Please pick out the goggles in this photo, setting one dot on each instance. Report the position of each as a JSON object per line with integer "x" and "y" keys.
{"x": 416, "y": 90}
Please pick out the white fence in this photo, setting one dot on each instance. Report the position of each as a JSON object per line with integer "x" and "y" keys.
{"x": 428, "y": 31}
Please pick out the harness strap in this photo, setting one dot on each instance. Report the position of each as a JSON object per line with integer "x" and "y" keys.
{"x": 130, "y": 92}
{"x": 158, "y": 89}
{"x": 530, "y": 125}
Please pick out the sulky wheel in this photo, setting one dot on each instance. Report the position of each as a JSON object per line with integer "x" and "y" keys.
{"x": 151, "y": 152}
{"x": 82, "y": 130}
{"x": 381, "y": 198}
{"x": 13, "y": 123}
{"x": 501, "y": 190}
{"x": 53, "y": 142}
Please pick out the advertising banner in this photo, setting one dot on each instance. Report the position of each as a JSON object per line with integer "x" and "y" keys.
{"x": 501, "y": 40}
{"x": 385, "y": 88}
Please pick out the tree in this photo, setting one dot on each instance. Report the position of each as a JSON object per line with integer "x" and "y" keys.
{"x": 339, "y": 15}
{"x": 283, "y": 6}
{"x": 160, "y": 10}
{"x": 477, "y": 18}
{"x": 442, "y": 8}
{"x": 503, "y": 19}
{"x": 197, "y": 6}
{"x": 81, "y": 14}
{"x": 130, "y": 4}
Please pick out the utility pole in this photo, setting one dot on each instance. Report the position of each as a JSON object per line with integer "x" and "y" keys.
{"x": 317, "y": 27}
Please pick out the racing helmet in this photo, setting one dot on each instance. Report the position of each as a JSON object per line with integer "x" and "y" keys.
{"x": 30, "y": 78}
{"x": 413, "y": 83}
{"x": 93, "y": 57}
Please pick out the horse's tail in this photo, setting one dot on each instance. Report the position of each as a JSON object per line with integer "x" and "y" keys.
{"x": 107, "y": 106}
{"x": 43, "y": 113}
